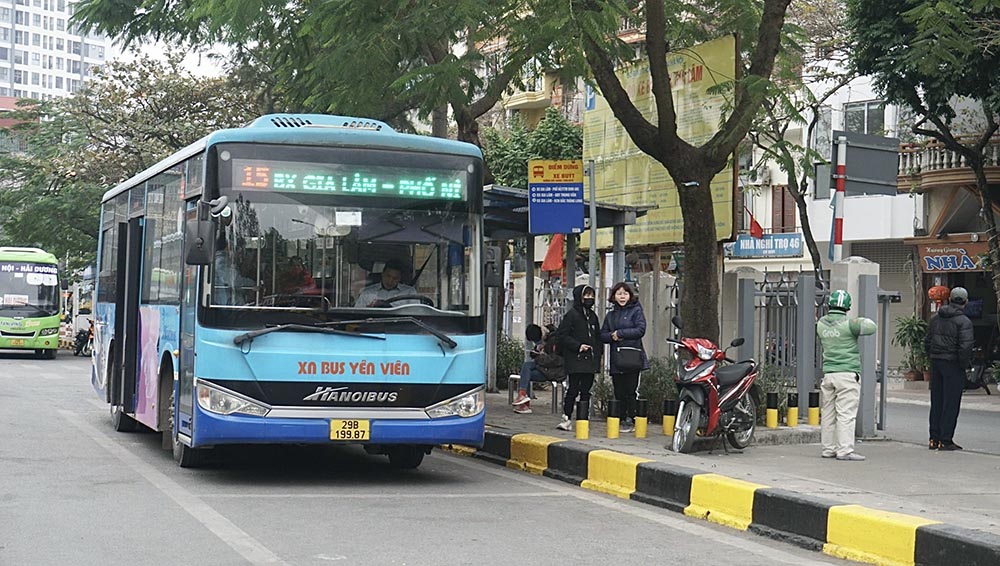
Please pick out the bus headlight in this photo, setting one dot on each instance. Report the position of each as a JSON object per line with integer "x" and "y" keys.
{"x": 48, "y": 331}
{"x": 216, "y": 401}
{"x": 468, "y": 405}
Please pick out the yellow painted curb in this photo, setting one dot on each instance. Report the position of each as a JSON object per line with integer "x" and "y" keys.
{"x": 612, "y": 472}
{"x": 530, "y": 452}
{"x": 868, "y": 535}
{"x": 458, "y": 449}
{"x": 722, "y": 500}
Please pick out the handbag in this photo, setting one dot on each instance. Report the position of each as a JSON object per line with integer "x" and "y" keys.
{"x": 628, "y": 358}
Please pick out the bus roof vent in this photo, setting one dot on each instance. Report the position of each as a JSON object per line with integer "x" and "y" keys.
{"x": 289, "y": 121}
{"x": 11, "y": 249}
{"x": 319, "y": 121}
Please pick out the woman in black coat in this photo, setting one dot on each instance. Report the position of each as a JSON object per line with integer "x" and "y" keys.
{"x": 580, "y": 346}
{"x": 624, "y": 328}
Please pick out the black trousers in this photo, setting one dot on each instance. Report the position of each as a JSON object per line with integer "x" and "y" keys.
{"x": 626, "y": 384}
{"x": 947, "y": 383}
{"x": 579, "y": 384}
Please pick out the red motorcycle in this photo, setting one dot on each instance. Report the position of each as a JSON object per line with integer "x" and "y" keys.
{"x": 717, "y": 395}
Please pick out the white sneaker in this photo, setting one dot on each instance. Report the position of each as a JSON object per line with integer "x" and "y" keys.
{"x": 851, "y": 457}
{"x": 566, "y": 424}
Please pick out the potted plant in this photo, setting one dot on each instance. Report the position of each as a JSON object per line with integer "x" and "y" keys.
{"x": 909, "y": 335}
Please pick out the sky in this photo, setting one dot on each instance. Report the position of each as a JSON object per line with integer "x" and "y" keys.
{"x": 198, "y": 62}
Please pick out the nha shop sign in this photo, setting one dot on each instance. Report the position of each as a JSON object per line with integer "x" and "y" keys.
{"x": 951, "y": 258}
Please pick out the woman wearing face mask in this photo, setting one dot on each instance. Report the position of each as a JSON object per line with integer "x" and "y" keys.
{"x": 624, "y": 328}
{"x": 580, "y": 345}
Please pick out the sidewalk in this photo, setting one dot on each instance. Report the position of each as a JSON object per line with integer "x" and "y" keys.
{"x": 957, "y": 489}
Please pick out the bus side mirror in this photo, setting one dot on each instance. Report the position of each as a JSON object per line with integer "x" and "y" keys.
{"x": 492, "y": 257}
{"x": 199, "y": 240}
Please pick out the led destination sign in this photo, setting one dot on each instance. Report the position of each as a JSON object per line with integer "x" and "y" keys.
{"x": 355, "y": 180}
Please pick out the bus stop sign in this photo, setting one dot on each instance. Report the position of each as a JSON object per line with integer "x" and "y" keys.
{"x": 555, "y": 196}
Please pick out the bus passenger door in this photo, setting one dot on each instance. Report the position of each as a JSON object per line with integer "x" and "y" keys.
{"x": 124, "y": 374}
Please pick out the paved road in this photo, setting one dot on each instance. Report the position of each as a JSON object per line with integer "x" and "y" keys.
{"x": 977, "y": 430}
{"x": 75, "y": 492}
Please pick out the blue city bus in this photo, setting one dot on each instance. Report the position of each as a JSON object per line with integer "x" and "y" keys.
{"x": 230, "y": 306}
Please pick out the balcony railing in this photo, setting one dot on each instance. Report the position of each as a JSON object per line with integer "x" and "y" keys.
{"x": 931, "y": 163}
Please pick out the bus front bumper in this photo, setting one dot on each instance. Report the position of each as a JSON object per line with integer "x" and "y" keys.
{"x": 214, "y": 429}
{"x": 50, "y": 342}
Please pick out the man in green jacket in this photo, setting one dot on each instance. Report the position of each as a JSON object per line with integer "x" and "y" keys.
{"x": 841, "y": 386}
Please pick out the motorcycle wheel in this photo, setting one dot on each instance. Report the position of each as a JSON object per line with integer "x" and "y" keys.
{"x": 686, "y": 427}
{"x": 741, "y": 439}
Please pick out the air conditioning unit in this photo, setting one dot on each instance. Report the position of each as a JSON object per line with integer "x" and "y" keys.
{"x": 761, "y": 176}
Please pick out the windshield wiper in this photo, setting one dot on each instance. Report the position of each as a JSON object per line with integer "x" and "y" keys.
{"x": 247, "y": 336}
{"x": 444, "y": 338}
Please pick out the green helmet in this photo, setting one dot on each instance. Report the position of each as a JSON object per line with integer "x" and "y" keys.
{"x": 840, "y": 300}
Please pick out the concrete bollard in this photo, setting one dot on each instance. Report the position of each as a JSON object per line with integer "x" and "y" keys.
{"x": 582, "y": 420}
{"x": 813, "y": 408}
{"x": 641, "y": 421}
{"x": 792, "y": 415}
{"x": 669, "y": 416}
{"x": 772, "y": 410}
{"x": 614, "y": 418}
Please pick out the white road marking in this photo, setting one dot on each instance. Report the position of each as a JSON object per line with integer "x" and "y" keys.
{"x": 375, "y": 495}
{"x": 717, "y": 535}
{"x": 237, "y": 539}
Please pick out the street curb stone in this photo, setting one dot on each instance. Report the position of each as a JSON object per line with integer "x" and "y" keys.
{"x": 800, "y": 519}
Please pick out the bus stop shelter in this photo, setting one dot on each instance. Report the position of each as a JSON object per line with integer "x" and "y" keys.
{"x": 505, "y": 211}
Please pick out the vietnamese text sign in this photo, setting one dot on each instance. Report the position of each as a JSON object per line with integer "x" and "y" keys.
{"x": 769, "y": 245}
{"x": 952, "y": 257}
{"x": 625, "y": 175}
{"x": 555, "y": 196}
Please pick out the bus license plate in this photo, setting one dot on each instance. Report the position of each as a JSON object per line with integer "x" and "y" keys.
{"x": 350, "y": 429}
{"x": 16, "y": 342}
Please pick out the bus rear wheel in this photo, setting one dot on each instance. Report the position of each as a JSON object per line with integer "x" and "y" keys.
{"x": 121, "y": 421}
{"x": 406, "y": 457}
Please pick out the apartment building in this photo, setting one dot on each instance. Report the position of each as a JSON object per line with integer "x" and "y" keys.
{"x": 42, "y": 55}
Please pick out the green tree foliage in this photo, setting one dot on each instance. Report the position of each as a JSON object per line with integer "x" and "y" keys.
{"x": 928, "y": 55}
{"x": 376, "y": 58}
{"x": 507, "y": 152}
{"x": 127, "y": 118}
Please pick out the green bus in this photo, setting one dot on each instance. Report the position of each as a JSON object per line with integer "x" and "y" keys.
{"x": 29, "y": 301}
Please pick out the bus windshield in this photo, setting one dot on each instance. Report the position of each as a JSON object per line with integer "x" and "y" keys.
{"x": 29, "y": 289}
{"x": 363, "y": 233}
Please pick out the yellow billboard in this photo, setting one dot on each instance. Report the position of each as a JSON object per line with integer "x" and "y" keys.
{"x": 626, "y": 175}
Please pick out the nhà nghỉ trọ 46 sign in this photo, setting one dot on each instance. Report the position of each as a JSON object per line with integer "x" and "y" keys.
{"x": 769, "y": 245}
{"x": 943, "y": 258}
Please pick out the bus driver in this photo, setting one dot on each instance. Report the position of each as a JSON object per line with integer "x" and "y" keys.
{"x": 389, "y": 286}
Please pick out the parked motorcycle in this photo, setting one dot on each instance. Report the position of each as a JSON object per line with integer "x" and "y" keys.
{"x": 83, "y": 342}
{"x": 975, "y": 377}
{"x": 717, "y": 395}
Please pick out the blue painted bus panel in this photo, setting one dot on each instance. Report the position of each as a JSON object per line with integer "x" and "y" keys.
{"x": 301, "y": 356}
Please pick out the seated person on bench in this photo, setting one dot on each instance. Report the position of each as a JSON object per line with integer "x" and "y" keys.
{"x": 386, "y": 288}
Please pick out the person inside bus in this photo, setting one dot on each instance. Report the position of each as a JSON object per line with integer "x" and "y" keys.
{"x": 296, "y": 278}
{"x": 388, "y": 286}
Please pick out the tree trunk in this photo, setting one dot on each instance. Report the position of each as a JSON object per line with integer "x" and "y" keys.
{"x": 700, "y": 269}
{"x": 986, "y": 204}
{"x": 439, "y": 121}
{"x": 807, "y": 235}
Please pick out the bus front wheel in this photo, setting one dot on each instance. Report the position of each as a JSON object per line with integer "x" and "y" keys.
{"x": 406, "y": 457}
{"x": 184, "y": 455}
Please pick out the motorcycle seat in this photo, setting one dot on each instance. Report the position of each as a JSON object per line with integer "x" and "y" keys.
{"x": 728, "y": 375}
